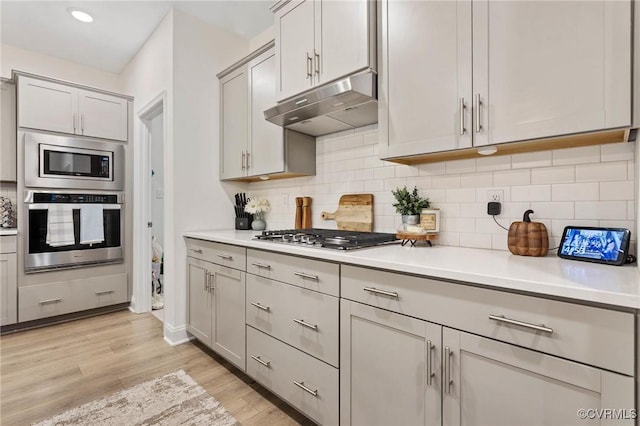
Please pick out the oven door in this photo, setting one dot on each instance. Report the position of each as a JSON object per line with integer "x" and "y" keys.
{"x": 41, "y": 256}
{"x": 71, "y": 162}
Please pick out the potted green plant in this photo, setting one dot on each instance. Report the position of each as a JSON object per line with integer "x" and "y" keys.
{"x": 409, "y": 204}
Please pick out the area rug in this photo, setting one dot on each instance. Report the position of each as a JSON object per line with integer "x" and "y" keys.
{"x": 174, "y": 399}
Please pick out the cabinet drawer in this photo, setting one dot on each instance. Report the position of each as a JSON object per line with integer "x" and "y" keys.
{"x": 8, "y": 243}
{"x": 306, "y": 273}
{"x": 278, "y": 367}
{"x": 48, "y": 300}
{"x": 220, "y": 254}
{"x": 595, "y": 336}
{"x": 303, "y": 318}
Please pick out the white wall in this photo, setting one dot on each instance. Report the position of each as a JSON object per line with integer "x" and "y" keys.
{"x": 157, "y": 178}
{"x": 14, "y": 58}
{"x": 263, "y": 38}
{"x": 591, "y": 186}
{"x": 199, "y": 200}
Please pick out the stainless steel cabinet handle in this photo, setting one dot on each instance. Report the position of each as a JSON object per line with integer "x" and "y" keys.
{"x": 199, "y": 251}
{"x": 261, "y": 265}
{"x": 317, "y": 61}
{"x": 265, "y": 363}
{"x": 430, "y": 373}
{"x": 225, "y": 257}
{"x": 478, "y": 116}
{"x": 82, "y": 123}
{"x": 309, "y": 66}
{"x": 243, "y": 154}
{"x": 462, "y": 108}
{"x": 502, "y": 318}
{"x": 206, "y": 280}
{"x": 44, "y": 302}
{"x": 98, "y": 293}
{"x": 301, "y": 101}
{"x": 212, "y": 281}
{"x": 75, "y": 120}
{"x": 303, "y": 387}
{"x": 382, "y": 292}
{"x": 447, "y": 369}
{"x": 259, "y": 306}
{"x": 248, "y": 162}
{"x": 305, "y": 324}
{"x": 306, "y": 276}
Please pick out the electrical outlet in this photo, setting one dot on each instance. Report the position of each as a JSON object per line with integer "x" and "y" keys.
{"x": 159, "y": 193}
{"x": 495, "y": 195}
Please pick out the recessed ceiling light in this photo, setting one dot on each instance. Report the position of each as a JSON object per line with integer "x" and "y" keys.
{"x": 80, "y": 15}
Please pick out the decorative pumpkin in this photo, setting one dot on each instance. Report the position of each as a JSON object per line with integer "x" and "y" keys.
{"x": 528, "y": 238}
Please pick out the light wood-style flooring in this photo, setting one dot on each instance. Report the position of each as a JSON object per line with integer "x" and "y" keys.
{"x": 49, "y": 370}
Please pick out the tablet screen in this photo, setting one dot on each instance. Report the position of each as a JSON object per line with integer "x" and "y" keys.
{"x": 606, "y": 245}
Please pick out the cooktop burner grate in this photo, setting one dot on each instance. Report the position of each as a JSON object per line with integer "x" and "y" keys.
{"x": 329, "y": 238}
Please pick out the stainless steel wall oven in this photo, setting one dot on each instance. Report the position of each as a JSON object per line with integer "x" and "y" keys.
{"x": 41, "y": 253}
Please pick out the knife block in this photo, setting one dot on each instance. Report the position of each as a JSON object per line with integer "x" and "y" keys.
{"x": 244, "y": 223}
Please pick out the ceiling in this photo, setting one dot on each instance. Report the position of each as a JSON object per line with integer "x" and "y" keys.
{"x": 119, "y": 28}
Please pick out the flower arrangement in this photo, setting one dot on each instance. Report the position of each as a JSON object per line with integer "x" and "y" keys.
{"x": 257, "y": 206}
{"x": 409, "y": 203}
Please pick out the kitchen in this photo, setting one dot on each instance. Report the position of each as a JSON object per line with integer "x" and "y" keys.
{"x": 594, "y": 185}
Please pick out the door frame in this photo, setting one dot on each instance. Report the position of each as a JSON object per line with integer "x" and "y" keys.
{"x": 141, "y": 296}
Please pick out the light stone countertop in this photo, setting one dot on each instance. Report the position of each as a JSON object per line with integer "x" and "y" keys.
{"x": 548, "y": 276}
{"x": 8, "y": 231}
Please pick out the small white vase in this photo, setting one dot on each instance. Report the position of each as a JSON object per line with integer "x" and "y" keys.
{"x": 258, "y": 224}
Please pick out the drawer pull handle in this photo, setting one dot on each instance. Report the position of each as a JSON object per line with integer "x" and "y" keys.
{"x": 306, "y": 276}
{"x": 44, "y": 302}
{"x": 261, "y": 265}
{"x": 99, "y": 293}
{"x": 447, "y": 369}
{"x": 430, "y": 373}
{"x": 306, "y": 389}
{"x": 502, "y": 318}
{"x": 305, "y": 324}
{"x": 265, "y": 363}
{"x": 199, "y": 251}
{"x": 225, "y": 257}
{"x": 382, "y": 292}
{"x": 259, "y": 306}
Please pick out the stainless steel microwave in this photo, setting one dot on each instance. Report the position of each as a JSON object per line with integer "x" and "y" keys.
{"x": 69, "y": 162}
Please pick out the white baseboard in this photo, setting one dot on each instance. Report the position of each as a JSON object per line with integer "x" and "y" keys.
{"x": 176, "y": 335}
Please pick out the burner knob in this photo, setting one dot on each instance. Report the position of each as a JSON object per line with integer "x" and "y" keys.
{"x": 311, "y": 240}
{"x": 287, "y": 238}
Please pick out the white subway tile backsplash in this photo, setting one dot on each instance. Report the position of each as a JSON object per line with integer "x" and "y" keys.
{"x": 601, "y": 172}
{"x": 628, "y": 224}
{"x": 575, "y": 191}
{"x": 512, "y": 177}
{"x": 617, "y": 151}
{"x": 531, "y": 193}
{"x": 602, "y": 210}
{"x": 531, "y": 160}
{"x": 582, "y": 155}
{"x": 593, "y": 186}
{"x": 553, "y": 175}
{"x": 621, "y": 190}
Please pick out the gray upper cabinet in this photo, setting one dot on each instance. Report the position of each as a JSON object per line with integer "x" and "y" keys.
{"x": 8, "y": 132}
{"x": 250, "y": 145}
{"x": 57, "y": 107}
{"x": 539, "y": 69}
{"x": 320, "y": 41}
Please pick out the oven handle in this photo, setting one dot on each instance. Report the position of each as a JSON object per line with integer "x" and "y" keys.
{"x": 45, "y": 206}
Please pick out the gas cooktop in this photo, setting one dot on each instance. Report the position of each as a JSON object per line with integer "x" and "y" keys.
{"x": 329, "y": 238}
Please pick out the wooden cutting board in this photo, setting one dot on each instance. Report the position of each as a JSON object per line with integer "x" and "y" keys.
{"x": 355, "y": 213}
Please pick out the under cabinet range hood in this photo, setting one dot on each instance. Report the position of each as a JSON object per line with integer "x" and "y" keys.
{"x": 342, "y": 105}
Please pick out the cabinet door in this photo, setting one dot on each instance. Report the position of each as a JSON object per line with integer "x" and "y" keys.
{"x": 342, "y": 42}
{"x": 551, "y": 68}
{"x": 425, "y": 90}
{"x": 8, "y": 132}
{"x": 267, "y": 145}
{"x": 102, "y": 116}
{"x": 294, "y": 47}
{"x": 228, "y": 289}
{"x": 198, "y": 300}
{"x": 493, "y": 383}
{"x": 233, "y": 131}
{"x": 8, "y": 289}
{"x": 45, "y": 105}
{"x": 385, "y": 365}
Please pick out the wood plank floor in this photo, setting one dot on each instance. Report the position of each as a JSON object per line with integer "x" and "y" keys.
{"x": 49, "y": 370}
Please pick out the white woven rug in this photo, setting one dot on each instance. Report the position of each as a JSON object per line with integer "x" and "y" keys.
{"x": 174, "y": 399}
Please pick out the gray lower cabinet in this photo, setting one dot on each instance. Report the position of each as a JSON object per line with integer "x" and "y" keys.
{"x": 215, "y": 308}
{"x": 8, "y": 280}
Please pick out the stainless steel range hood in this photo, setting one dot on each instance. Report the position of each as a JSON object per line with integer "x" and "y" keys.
{"x": 344, "y": 104}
